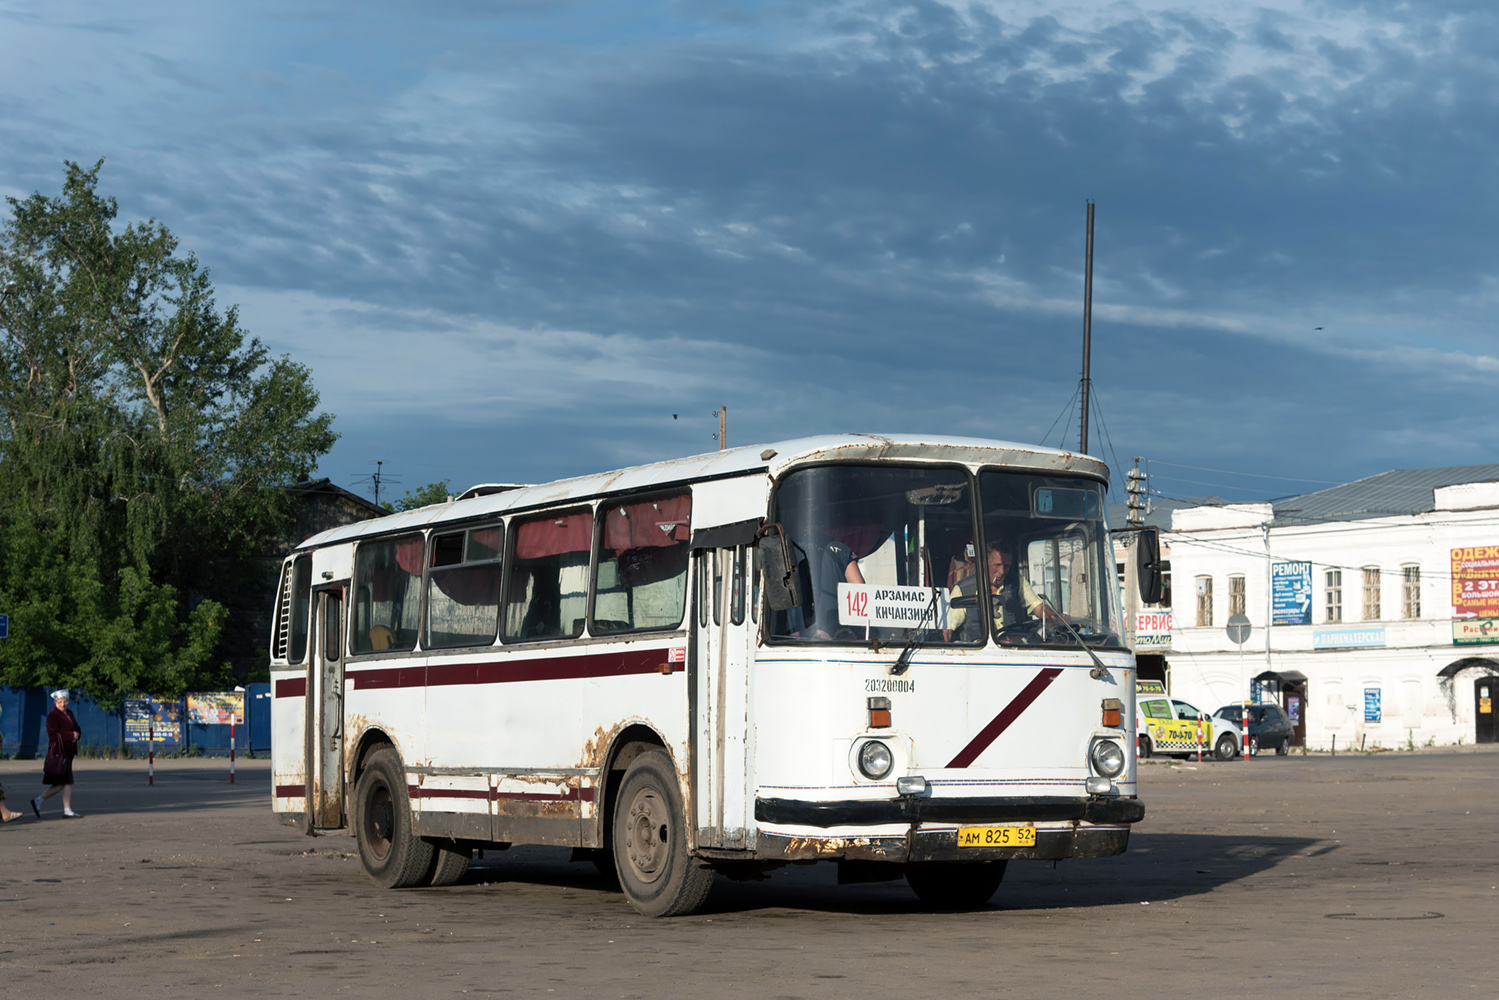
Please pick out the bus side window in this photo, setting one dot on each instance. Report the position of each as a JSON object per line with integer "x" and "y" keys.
{"x": 388, "y": 579}
{"x": 736, "y": 594}
{"x": 641, "y": 581}
{"x": 702, "y": 587}
{"x": 547, "y": 596}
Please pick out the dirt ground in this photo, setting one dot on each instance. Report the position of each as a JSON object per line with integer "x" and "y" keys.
{"x": 1316, "y": 876}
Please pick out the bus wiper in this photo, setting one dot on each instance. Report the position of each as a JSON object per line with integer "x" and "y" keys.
{"x": 918, "y": 638}
{"x": 1099, "y": 671}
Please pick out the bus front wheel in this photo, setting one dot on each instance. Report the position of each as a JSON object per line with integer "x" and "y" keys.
{"x": 955, "y": 885}
{"x": 650, "y": 842}
{"x": 389, "y": 850}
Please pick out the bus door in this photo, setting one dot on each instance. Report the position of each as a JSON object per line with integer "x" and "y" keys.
{"x": 723, "y": 641}
{"x": 325, "y": 732}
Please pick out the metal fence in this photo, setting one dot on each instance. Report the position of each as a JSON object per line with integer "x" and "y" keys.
{"x": 195, "y": 723}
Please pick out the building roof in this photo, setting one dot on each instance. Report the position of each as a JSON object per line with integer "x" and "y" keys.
{"x": 332, "y": 489}
{"x": 1400, "y": 491}
{"x": 1159, "y": 515}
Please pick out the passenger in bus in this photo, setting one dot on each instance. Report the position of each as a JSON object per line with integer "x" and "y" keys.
{"x": 824, "y": 563}
{"x": 1015, "y": 601}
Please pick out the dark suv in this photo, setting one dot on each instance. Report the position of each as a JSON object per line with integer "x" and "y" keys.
{"x": 1268, "y": 726}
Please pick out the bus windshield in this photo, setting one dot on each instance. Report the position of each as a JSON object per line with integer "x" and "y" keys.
{"x": 889, "y": 553}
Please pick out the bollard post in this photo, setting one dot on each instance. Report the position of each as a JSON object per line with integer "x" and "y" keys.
{"x": 1244, "y": 721}
{"x": 1199, "y": 739}
{"x": 151, "y": 750}
{"x": 231, "y": 750}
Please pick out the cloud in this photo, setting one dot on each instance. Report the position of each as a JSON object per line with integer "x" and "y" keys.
{"x": 859, "y": 215}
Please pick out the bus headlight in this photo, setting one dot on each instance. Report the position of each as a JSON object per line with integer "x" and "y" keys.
{"x": 875, "y": 760}
{"x": 1108, "y": 758}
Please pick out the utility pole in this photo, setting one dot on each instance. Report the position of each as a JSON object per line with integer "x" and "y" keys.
{"x": 722, "y": 413}
{"x": 1087, "y": 382}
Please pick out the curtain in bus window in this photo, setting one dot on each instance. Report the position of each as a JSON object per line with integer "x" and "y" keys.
{"x": 553, "y": 536}
{"x": 547, "y": 596}
{"x": 387, "y": 594}
{"x": 642, "y": 575}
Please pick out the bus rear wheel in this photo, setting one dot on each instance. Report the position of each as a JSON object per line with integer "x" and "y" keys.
{"x": 448, "y": 865}
{"x": 650, "y": 843}
{"x": 957, "y": 885}
{"x": 389, "y": 850}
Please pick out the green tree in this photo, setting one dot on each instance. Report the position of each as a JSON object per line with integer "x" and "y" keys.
{"x": 144, "y": 444}
{"x": 423, "y": 496}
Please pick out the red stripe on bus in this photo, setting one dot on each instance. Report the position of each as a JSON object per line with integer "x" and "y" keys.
{"x": 1006, "y": 716}
{"x": 291, "y": 791}
{"x": 616, "y": 664}
{"x": 291, "y": 687}
{"x": 571, "y": 795}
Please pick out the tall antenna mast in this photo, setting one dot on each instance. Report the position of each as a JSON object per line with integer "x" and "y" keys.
{"x": 1087, "y": 383}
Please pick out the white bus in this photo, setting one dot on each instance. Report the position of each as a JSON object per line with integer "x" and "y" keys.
{"x": 730, "y": 662}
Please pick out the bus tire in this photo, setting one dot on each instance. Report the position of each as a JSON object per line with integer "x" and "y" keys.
{"x": 656, "y": 872}
{"x": 956, "y": 885}
{"x": 1226, "y": 748}
{"x": 389, "y": 850}
{"x": 448, "y": 866}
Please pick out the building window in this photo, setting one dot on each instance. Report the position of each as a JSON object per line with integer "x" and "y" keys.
{"x": 1236, "y": 601}
{"x": 1371, "y": 593}
{"x": 1410, "y": 591}
{"x": 1334, "y": 595}
{"x": 1119, "y": 573}
{"x": 1165, "y": 584}
{"x": 1204, "y": 600}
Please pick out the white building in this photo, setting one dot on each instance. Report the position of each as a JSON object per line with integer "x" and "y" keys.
{"x": 1381, "y": 598}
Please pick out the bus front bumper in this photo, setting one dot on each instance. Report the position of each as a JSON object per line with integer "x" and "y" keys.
{"x": 1065, "y": 828}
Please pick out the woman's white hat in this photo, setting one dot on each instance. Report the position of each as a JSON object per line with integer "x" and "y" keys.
{"x": 59, "y": 693}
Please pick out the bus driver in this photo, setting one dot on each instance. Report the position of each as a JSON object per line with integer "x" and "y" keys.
{"x": 1015, "y": 600}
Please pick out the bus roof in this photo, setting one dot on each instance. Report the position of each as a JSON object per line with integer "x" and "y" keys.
{"x": 771, "y": 459}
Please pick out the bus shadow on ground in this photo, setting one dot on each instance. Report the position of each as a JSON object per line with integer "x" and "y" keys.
{"x": 1157, "y": 868}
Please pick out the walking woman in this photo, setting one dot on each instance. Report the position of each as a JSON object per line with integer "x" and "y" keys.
{"x": 62, "y": 747}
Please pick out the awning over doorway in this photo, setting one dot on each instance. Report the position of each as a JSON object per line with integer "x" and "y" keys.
{"x": 1282, "y": 677}
{"x": 1480, "y": 662}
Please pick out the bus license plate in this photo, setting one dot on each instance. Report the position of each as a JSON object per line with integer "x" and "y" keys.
{"x": 997, "y": 836}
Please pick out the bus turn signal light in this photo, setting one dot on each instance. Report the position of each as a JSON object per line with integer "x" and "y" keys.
{"x": 1113, "y": 713}
{"x": 879, "y": 713}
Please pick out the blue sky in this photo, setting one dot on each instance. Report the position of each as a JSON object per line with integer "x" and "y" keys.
{"x": 513, "y": 239}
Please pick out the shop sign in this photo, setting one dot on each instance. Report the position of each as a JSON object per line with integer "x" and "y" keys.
{"x": 1291, "y": 593}
{"x": 1153, "y": 630}
{"x": 1348, "y": 638}
{"x": 1474, "y": 631}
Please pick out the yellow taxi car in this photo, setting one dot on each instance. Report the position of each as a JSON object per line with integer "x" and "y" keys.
{"x": 1172, "y": 727}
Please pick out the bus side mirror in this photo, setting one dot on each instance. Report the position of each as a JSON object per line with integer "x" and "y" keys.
{"x": 1148, "y": 565}
{"x": 781, "y": 590}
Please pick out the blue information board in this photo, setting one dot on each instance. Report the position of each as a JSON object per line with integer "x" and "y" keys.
{"x": 1291, "y": 593}
{"x": 1371, "y": 705}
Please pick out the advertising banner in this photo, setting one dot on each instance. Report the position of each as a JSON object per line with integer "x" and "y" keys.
{"x": 216, "y": 708}
{"x": 1475, "y": 581}
{"x": 1291, "y": 593}
{"x": 145, "y": 714}
{"x": 1153, "y": 630}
